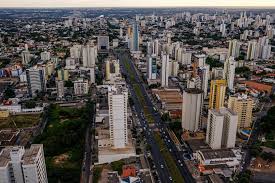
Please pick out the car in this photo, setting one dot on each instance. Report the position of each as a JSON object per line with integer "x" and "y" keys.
{"x": 179, "y": 161}
{"x": 181, "y": 164}
{"x": 161, "y": 166}
{"x": 170, "y": 178}
{"x": 170, "y": 150}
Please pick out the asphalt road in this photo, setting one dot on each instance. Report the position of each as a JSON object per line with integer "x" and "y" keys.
{"x": 178, "y": 156}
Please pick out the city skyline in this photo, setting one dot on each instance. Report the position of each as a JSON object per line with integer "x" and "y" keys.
{"x": 141, "y": 3}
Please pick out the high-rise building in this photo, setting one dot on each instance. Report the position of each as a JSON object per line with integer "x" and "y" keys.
{"x": 117, "y": 100}
{"x": 217, "y": 94}
{"x": 191, "y": 109}
{"x": 70, "y": 63}
{"x": 76, "y": 51}
{"x": 89, "y": 56}
{"x": 152, "y": 67}
{"x": 243, "y": 106}
{"x": 81, "y": 87}
{"x": 199, "y": 60}
{"x": 26, "y": 57}
{"x": 204, "y": 77}
{"x": 229, "y": 72}
{"x": 63, "y": 74}
{"x": 221, "y": 128}
{"x": 103, "y": 43}
{"x": 23, "y": 165}
{"x": 252, "y": 50}
{"x": 135, "y": 38}
{"x": 165, "y": 70}
{"x": 112, "y": 69}
{"x": 217, "y": 73}
{"x": 36, "y": 80}
{"x": 173, "y": 68}
{"x": 234, "y": 48}
{"x": 60, "y": 88}
{"x": 45, "y": 55}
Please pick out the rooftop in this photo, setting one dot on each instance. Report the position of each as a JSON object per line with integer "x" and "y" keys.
{"x": 217, "y": 154}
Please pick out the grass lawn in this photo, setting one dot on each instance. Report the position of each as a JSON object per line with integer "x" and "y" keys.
{"x": 20, "y": 121}
{"x": 171, "y": 164}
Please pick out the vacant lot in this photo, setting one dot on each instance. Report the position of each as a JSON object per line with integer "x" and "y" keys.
{"x": 20, "y": 121}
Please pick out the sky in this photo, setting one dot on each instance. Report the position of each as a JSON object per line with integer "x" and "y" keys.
{"x": 134, "y": 3}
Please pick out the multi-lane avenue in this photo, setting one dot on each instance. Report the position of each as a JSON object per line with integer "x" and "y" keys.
{"x": 162, "y": 170}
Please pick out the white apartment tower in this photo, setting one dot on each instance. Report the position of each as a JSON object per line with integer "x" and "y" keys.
{"x": 36, "y": 80}
{"x": 45, "y": 56}
{"x": 23, "y": 165}
{"x": 117, "y": 100}
{"x": 89, "y": 55}
{"x": 165, "y": 70}
{"x": 26, "y": 57}
{"x": 191, "y": 109}
{"x": 229, "y": 72}
{"x": 81, "y": 87}
{"x": 221, "y": 128}
{"x": 60, "y": 88}
{"x": 234, "y": 48}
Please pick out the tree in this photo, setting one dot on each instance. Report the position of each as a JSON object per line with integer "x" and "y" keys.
{"x": 30, "y": 104}
{"x": 69, "y": 84}
{"x": 213, "y": 62}
{"x": 9, "y": 93}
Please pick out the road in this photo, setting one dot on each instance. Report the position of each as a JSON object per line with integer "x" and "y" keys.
{"x": 87, "y": 174}
{"x": 177, "y": 155}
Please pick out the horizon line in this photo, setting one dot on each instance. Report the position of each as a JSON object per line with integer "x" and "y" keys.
{"x": 119, "y": 7}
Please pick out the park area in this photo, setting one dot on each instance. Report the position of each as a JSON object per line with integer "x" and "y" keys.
{"x": 63, "y": 140}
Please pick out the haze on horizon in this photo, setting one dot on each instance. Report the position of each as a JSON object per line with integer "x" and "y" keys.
{"x": 135, "y": 3}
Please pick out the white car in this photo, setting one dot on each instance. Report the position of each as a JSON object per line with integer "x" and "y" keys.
{"x": 161, "y": 166}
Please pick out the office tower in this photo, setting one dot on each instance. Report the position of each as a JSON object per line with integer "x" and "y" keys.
{"x": 22, "y": 165}
{"x": 60, "y": 88}
{"x": 243, "y": 106}
{"x": 252, "y": 50}
{"x": 45, "y": 56}
{"x": 152, "y": 67}
{"x": 117, "y": 100}
{"x": 217, "y": 94}
{"x": 234, "y": 48}
{"x": 165, "y": 70}
{"x": 63, "y": 74}
{"x": 191, "y": 109}
{"x": 217, "y": 73}
{"x": 76, "y": 51}
{"x": 221, "y": 128}
{"x": 229, "y": 72}
{"x": 103, "y": 43}
{"x": 26, "y": 57}
{"x": 36, "y": 80}
{"x": 135, "y": 38}
{"x": 89, "y": 56}
{"x": 81, "y": 87}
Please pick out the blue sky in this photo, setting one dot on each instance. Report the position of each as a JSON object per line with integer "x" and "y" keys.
{"x": 133, "y": 3}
